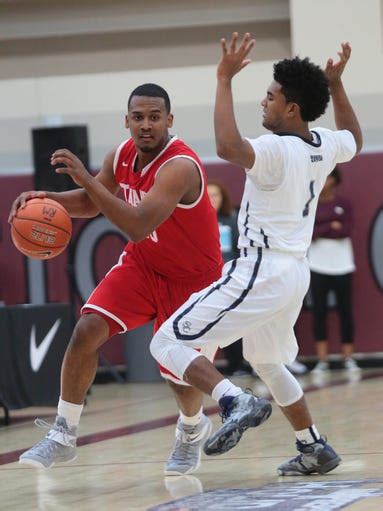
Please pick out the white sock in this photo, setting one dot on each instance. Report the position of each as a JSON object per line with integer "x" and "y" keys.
{"x": 225, "y": 388}
{"x": 70, "y": 411}
{"x": 192, "y": 421}
{"x": 308, "y": 435}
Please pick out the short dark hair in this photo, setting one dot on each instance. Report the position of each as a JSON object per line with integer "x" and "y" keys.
{"x": 335, "y": 173}
{"x": 303, "y": 83}
{"x": 151, "y": 90}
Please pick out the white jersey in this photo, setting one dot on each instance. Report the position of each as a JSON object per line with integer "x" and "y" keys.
{"x": 282, "y": 189}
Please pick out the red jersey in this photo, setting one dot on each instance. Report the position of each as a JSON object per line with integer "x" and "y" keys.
{"x": 186, "y": 245}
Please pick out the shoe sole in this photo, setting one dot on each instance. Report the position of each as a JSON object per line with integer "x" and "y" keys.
{"x": 330, "y": 465}
{"x": 28, "y": 462}
{"x": 324, "y": 469}
{"x": 227, "y": 438}
{"x": 176, "y": 473}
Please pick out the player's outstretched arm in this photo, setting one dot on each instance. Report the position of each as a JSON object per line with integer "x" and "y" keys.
{"x": 229, "y": 142}
{"x": 345, "y": 117}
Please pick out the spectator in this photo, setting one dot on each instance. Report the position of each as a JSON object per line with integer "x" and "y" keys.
{"x": 331, "y": 264}
{"x": 228, "y": 231}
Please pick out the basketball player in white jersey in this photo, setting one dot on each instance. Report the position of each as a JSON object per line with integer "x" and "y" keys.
{"x": 260, "y": 294}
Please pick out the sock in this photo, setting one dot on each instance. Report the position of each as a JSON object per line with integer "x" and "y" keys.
{"x": 70, "y": 411}
{"x": 225, "y": 388}
{"x": 192, "y": 421}
{"x": 308, "y": 435}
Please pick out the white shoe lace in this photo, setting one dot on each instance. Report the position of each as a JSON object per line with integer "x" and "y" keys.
{"x": 54, "y": 430}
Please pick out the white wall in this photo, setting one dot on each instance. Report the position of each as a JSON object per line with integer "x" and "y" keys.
{"x": 79, "y": 75}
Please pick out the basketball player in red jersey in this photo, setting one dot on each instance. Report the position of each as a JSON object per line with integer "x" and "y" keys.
{"x": 166, "y": 211}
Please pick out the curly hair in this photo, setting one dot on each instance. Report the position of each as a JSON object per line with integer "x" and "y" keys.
{"x": 303, "y": 83}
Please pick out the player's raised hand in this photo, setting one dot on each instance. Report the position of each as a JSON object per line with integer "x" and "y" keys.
{"x": 234, "y": 59}
{"x": 333, "y": 71}
{"x": 71, "y": 165}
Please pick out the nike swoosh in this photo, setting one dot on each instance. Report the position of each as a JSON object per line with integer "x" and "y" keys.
{"x": 198, "y": 436}
{"x": 37, "y": 353}
{"x": 125, "y": 164}
{"x": 193, "y": 438}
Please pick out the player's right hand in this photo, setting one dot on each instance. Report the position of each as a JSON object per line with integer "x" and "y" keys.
{"x": 21, "y": 200}
{"x": 234, "y": 59}
{"x": 334, "y": 70}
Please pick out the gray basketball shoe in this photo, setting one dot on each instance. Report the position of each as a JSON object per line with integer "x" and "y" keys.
{"x": 58, "y": 446}
{"x": 318, "y": 457}
{"x": 238, "y": 414}
{"x": 186, "y": 455}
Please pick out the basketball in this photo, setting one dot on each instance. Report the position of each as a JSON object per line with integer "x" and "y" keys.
{"x": 42, "y": 229}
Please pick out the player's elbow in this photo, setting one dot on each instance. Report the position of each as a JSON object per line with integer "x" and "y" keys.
{"x": 137, "y": 232}
{"x": 358, "y": 137}
{"x": 133, "y": 234}
{"x": 224, "y": 151}
{"x": 359, "y": 143}
{"x": 90, "y": 212}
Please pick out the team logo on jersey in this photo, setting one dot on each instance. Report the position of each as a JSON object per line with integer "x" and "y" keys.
{"x": 133, "y": 197}
{"x": 186, "y": 326}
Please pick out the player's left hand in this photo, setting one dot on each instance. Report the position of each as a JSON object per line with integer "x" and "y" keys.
{"x": 233, "y": 59}
{"x": 72, "y": 166}
{"x": 333, "y": 71}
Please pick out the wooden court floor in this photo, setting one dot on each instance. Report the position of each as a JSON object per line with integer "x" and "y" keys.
{"x": 127, "y": 431}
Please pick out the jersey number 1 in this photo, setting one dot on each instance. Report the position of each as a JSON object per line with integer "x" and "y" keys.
{"x": 306, "y": 209}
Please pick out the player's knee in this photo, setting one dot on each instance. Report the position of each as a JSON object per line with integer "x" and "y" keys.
{"x": 90, "y": 332}
{"x": 269, "y": 372}
{"x": 283, "y": 386}
{"x": 159, "y": 347}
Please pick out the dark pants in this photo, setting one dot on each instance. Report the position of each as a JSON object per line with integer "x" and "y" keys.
{"x": 342, "y": 286}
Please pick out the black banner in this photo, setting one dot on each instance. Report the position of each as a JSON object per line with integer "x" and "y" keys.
{"x": 33, "y": 343}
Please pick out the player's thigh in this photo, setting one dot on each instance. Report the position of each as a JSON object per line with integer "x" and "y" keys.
{"x": 274, "y": 341}
{"x": 247, "y": 296}
{"x": 220, "y": 313}
{"x": 124, "y": 295}
{"x": 172, "y": 294}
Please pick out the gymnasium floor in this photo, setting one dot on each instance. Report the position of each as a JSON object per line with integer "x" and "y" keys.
{"x": 126, "y": 434}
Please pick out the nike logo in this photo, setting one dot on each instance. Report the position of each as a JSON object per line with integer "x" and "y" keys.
{"x": 202, "y": 435}
{"x": 125, "y": 164}
{"x": 190, "y": 439}
{"x": 37, "y": 353}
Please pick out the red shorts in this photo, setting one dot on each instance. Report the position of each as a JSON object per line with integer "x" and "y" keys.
{"x": 131, "y": 294}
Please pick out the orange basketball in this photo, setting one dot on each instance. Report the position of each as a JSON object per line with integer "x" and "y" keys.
{"x": 42, "y": 229}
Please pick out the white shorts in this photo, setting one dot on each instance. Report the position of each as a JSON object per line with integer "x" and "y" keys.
{"x": 258, "y": 298}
